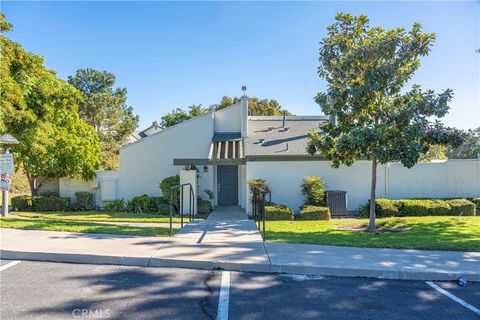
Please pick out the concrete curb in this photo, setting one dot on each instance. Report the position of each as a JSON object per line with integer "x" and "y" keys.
{"x": 394, "y": 274}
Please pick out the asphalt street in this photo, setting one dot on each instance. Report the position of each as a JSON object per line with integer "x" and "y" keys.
{"x": 42, "y": 290}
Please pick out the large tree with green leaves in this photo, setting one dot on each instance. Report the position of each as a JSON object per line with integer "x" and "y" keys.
{"x": 366, "y": 70}
{"x": 105, "y": 108}
{"x": 469, "y": 149}
{"x": 40, "y": 110}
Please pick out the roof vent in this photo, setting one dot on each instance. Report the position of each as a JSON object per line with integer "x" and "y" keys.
{"x": 270, "y": 129}
{"x": 262, "y": 140}
{"x": 283, "y": 118}
{"x": 286, "y": 128}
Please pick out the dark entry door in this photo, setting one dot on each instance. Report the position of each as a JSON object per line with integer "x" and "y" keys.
{"x": 227, "y": 185}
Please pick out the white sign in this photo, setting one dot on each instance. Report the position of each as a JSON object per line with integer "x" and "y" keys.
{"x": 6, "y": 163}
{"x": 5, "y": 180}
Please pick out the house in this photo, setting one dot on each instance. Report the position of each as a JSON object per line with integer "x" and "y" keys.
{"x": 228, "y": 148}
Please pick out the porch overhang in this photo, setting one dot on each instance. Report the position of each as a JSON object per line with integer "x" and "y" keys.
{"x": 207, "y": 162}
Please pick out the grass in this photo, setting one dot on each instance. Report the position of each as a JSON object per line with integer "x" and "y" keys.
{"x": 430, "y": 233}
{"x": 99, "y": 216}
{"x": 84, "y": 227}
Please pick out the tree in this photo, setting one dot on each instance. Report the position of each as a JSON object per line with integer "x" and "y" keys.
{"x": 256, "y": 107}
{"x": 105, "y": 108}
{"x": 435, "y": 152}
{"x": 175, "y": 117}
{"x": 469, "y": 149}
{"x": 366, "y": 69}
{"x": 40, "y": 110}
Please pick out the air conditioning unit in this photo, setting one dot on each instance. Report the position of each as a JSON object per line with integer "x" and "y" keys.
{"x": 337, "y": 202}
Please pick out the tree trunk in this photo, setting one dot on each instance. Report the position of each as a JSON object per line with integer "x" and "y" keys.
{"x": 31, "y": 183}
{"x": 372, "y": 226}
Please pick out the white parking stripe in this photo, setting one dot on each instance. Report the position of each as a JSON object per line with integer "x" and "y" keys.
{"x": 454, "y": 298}
{"x": 223, "y": 299}
{"x": 8, "y": 265}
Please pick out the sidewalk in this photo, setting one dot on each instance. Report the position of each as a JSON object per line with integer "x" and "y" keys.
{"x": 238, "y": 255}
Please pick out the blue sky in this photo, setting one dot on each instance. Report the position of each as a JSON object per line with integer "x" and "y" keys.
{"x": 172, "y": 55}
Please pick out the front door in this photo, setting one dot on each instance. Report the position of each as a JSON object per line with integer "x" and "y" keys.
{"x": 227, "y": 185}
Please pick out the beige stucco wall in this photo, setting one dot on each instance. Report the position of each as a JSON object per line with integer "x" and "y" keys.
{"x": 68, "y": 187}
{"x": 452, "y": 178}
{"x": 229, "y": 119}
{"x": 147, "y": 162}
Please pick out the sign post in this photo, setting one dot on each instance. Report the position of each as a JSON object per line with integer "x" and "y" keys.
{"x": 7, "y": 168}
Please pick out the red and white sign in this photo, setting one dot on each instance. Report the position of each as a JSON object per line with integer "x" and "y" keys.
{"x": 5, "y": 181}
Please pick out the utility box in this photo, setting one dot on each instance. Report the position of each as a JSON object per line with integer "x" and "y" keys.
{"x": 337, "y": 202}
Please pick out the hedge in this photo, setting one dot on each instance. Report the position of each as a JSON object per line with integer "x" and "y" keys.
{"x": 462, "y": 207}
{"x": 145, "y": 204}
{"x": 309, "y": 212}
{"x": 22, "y": 203}
{"x": 115, "y": 205}
{"x": 422, "y": 207}
{"x": 84, "y": 201}
{"x": 50, "y": 203}
{"x": 278, "y": 212}
{"x": 477, "y": 203}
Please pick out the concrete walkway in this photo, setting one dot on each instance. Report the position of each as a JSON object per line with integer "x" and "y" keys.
{"x": 227, "y": 239}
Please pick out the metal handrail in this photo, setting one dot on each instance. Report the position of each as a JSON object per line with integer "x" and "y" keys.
{"x": 258, "y": 209}
{"x": 191, "y": 202}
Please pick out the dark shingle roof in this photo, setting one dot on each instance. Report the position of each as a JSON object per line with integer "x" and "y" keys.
{"x": 275, "y": 137}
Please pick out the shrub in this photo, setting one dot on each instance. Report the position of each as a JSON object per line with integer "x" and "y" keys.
{"x": 385, "y": 208}
{"x": 309, "y": 212}
{"x": 50, "y": 203}
{"x": 477, "y": 203}
{"x": 313, "y": 189}
{"x": 145, "y": 204}
{"x": 22, "y": 203}
{"x": 278, "y": 212}
{"x": 424, "y": 207}
{"x": 462, "y": 207}
{"x": 115, "y": 205}
{"x": 164, "y": 208}
{"x": 204, "y": 206}
{"x": 49, "y": 194}
{"x": 84, "y": 201}
{"x": 165, "y": 186}
{"x": 259, "y": 183}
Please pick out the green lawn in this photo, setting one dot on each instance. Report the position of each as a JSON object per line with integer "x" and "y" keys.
{"x": 433, "y": 233}
{"x": 84, "y": 227}
{"x": 100, "y": 216}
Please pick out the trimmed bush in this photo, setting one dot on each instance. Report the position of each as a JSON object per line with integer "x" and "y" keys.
{"x": 278, "y": 212}
{"x": 422, "y": 207}
{"x": 115, "y": 205}
{"x": 164, "y": 209}
{"x": 50, "y": 203}
{"x": 84, "y": 201}
{"x": 309, "y": 212}
{"x": 313, "y": 189}
{"x": 22, "y": 203}
{"x": 145, "y": 204}
{"x": 462, "y": 207}
{"x": 165, "y": 186}
{"x": 385, "y": 208}
{"x": 477, "y": 203}
{"x": 204, "y": 206}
